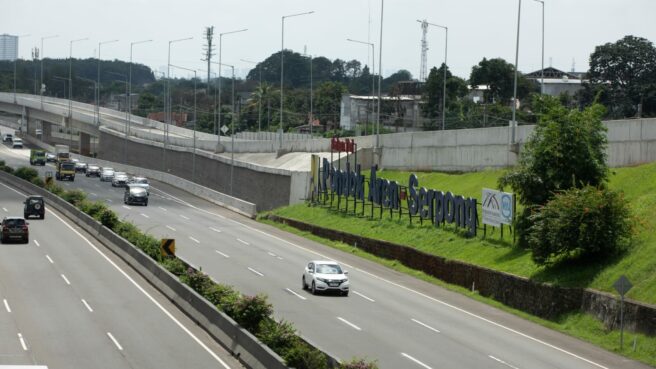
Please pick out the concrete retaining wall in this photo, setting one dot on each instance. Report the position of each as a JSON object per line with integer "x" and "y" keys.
{"x": 539, "y": 299}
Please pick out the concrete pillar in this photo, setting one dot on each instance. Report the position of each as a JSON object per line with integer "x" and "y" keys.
{"x": 85, "y": 144}
{"x": 46, "y": 132}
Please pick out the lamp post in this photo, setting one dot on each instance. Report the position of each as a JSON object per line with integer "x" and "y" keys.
{"x": 125, "y": 138}
{"x": 42, "y": 57}
{"x": 513, "y": 123}
{"x": 446, "y": 43}
{"x": 218, "y": 134}
{"x": 16, "y": 61}
{"x": 193, "y": 160}
{"x": 64, "y": 80}
{"x": 373, "y": 72}
{"x": 70, "y": 90}
{"x": 380, "y": 75}
{"x": 259, "y": 103}
{"x": 167, "y": 103}
{"x": 232, "y": 128}
{"x": 542, "y": 71}
{"x": 98, "y": 83}
{"x": 282, "y": 60}
{"x": 127, "y": 132}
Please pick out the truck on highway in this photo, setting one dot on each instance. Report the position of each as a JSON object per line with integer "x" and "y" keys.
{"x": 65, "y": 170}
{"x": 62, "y": 152}
{"x": 37, "y": 157}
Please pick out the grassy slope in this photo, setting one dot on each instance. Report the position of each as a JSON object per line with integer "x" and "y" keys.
{"x": 638, "y": 264}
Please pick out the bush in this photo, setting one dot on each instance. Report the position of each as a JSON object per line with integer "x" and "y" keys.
{"x": 174, "y": 265}
{"x": 303, "y": 356}
{"x": 250, "y": 311}
{"x": 279, "y": 336}
{"x": 38, "y": 181}
{"x": 197, "y": 280}
{"x": 579, "y": 222}
{"x": 221, "y": 294}
{"x": 94, "y": 208}
{"x": 54, "y": 188}
{"x": 7, "y": 169}
{"x": 74, "y": 197}
{"x": 26, "y": 173}
{"x": 358, "y": 364}
{"x": 108, "y": 218}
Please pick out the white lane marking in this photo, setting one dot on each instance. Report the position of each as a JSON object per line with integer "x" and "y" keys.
{"x": 49, "y": 259}
{"x": 222, "y": 254}
{"x": 498, "y": 325}
{"x": 425, "y": 325}
{"x": 66, "y": 280}
{"x": 256, "y": 272}
{"x": 22, "y": 342}
{"x": 162, "y": 208}
{"x": 193, "y": 239}
{"x": 415, "y": 360}
{"x": 118, "y": 345}
{"x": 7, "y": 305}
{"x": 363, "y": 296}
{"x": 502, "y": 362}
{"x": 127, "y": 207}
{"x": 96, "y": 184}
{"x": 171, "y": 228}
{"x": 180, "y": 201}
{"x": 144, "y": 215}
{"x": 215, "y": 230}
{"x": 272, "y": 254}
{"x": 280, "y": 258}
{"x": 5, "y": 209}
{"x": 349, "y": 323}
{"x": 184, "y": 217}
{"x": 93, "y": 194}
{"x": 37, "y": 243}
{"x": 109, "y": 200}
{"x": 296, "y": 294}
{"x": 87, "y": 305}
{"x": 242, "y": 241}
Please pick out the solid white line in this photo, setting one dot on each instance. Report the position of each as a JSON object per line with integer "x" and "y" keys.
{"x": 272, "y": 254}
{"x": 66, "y": 279}
{"x": 222, "y": 254}
{"x": 127, "y": 207}
{"x": 215, "y": 230}
{"x": 171, "y": 228}
{"x": 364, "y": 297}
{"x": 184, "y": 217}
{"x": 425, "y": 325}
{"x": 5, "y": 209}
{"x": 242, "y": 241}
{"x": 37, "y": 243}
{"x": 49, "y": 259}
{"x": 349, "y": 323}
{"x": 193, "y": 239}
{"x": 256, "y": 272}
{"x": 7, "y": 305}
{"x": 498, "y": 325}
{"x": 502, "y": 362}
{"x": 22, "y": 341}
{"x": 296, "y": 294}
{"x": 144, "y": 215}
{"x": 115, "y": 341}
{"x": 87, "y": 305}
{"x": 162, "y": 208}
{"x": 415, "y": 360}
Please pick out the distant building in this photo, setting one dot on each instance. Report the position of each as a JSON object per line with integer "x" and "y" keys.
{"x": 8, "y": 47}
{"x": 361, "y": 110}
{"x": 556, "y": 81}
{"x": 178, "y": 118}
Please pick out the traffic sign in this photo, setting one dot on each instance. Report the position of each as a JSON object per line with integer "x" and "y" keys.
{"x": 622, "y": 285}
{"x": 167, "y": 247}
{"x": 224, "y": 129}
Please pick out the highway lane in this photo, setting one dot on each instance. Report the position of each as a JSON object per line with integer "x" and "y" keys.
{"x": 68, "y": 303}
{"x": 395, "y": 322}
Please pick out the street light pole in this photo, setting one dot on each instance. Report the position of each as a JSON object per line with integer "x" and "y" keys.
{"x": 282, "y": 61}
{"x": 259, "y": 103}
{"x": 373, "y": 72}
{"x": 542, "y": 71}
{"x": 167, "y": 103}
{"x": 16, "y": 61}
{"x": 380, "y": 75}
{"x": 127, "y": 132}
{"x": 98, "y": 82}
{"x": 70, "y": 91}
{"x": 193, "y": 160}
{"x": 514, "y": 102}
{"x": 43, "y": 57}
{"x": 217, "y": 128}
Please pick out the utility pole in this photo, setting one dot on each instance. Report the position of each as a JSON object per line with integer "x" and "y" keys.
{"x": 35, "y": 57}
{"x": 208, "y": 52}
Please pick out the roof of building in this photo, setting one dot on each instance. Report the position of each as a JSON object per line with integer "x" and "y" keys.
{"x": 551, "y": 72}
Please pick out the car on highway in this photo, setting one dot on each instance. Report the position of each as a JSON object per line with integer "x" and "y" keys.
{"x": 81, "y": 167}
{"x": 140, "y": 182}
{"x": 106, "y": 174}
{"x": 17, "y": 143}
{"x": 14, "y": 228}
{"x": 7, "y": 137}
{"x": 93, "y": 170}
{"x": 50, "y": 157}
{"x": 135, "y": 195}
{"x": 34, "y": 205}
{"x": 325, "y": 276}
{"x": 120, "y": 179}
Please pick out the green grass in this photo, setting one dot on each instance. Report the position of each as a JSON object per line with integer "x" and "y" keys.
{"x": 637, "y": 263}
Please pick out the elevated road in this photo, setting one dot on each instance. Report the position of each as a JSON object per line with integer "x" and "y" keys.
{"x": 401, "y": 321}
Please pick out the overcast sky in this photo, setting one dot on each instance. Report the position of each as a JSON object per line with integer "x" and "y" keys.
{"x": 477, "y": 29}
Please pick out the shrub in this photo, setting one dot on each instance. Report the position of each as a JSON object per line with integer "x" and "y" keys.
{"x": 54, "y": 188}
{"x": 26, "y": 173}
{"x": 279, "y": 336}
{"x": 197, "y": 280}
{"x": 94, "y": 208}
{"x": 74, "y": 197}
{"x": 302, "y": 356}
{"x": 108, "y": 218}
{"x": 358, "y": 364}
{"x": 174, "y": 265}
{"x": 220, "y": 294}
{"x": 7, "y": 169}
{"x": 249, "y": 311}
{"x": 38, "y": 181}
{"x": 579, "y": 222}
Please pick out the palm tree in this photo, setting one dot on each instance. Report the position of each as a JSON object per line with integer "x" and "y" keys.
{"x": 262, "y": 97}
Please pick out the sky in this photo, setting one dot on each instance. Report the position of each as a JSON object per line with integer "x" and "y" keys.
{"x": 476, "y": 29}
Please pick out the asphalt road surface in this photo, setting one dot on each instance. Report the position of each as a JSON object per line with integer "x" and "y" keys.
{"x": 398, "y": 320}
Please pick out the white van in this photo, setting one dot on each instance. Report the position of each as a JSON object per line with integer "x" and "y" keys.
{"x": 17, "y": 143}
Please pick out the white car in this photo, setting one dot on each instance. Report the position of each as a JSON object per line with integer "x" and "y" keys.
{"x": 120, "y": 179}
{"x": 7, "y": 137}
{"x": 17, "y": 143}
{"x": 325, "y": 276}
{"x": 140, "y": 182}
{"x": 106, "y": 174}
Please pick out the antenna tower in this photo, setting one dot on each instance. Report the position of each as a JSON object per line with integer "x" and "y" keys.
{"x": 424, "y": 51}
{"x": 208, "y": 52}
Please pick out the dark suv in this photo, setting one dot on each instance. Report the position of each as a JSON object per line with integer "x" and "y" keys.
{"x": 14, "y": 228}
{"x": 34, "y": 205}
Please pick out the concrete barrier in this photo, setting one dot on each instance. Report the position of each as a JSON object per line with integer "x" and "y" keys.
{"x": 238, "y": 341}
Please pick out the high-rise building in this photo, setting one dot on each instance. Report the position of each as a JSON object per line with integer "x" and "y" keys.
{"x": 8, "y": 47}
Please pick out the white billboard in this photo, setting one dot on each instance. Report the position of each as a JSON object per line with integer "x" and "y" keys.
{"x": 498, "y": 207}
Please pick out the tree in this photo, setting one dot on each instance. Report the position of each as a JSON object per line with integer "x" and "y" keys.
{"x": 400, "y": 76}
{"x": 627, "y": 69}
{"x": 499, "y": 76}
{"x": 327, "y": 101}
{"x": 434, "y": 89}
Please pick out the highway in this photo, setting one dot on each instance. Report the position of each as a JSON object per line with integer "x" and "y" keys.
{"x": 398, "y": 320}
